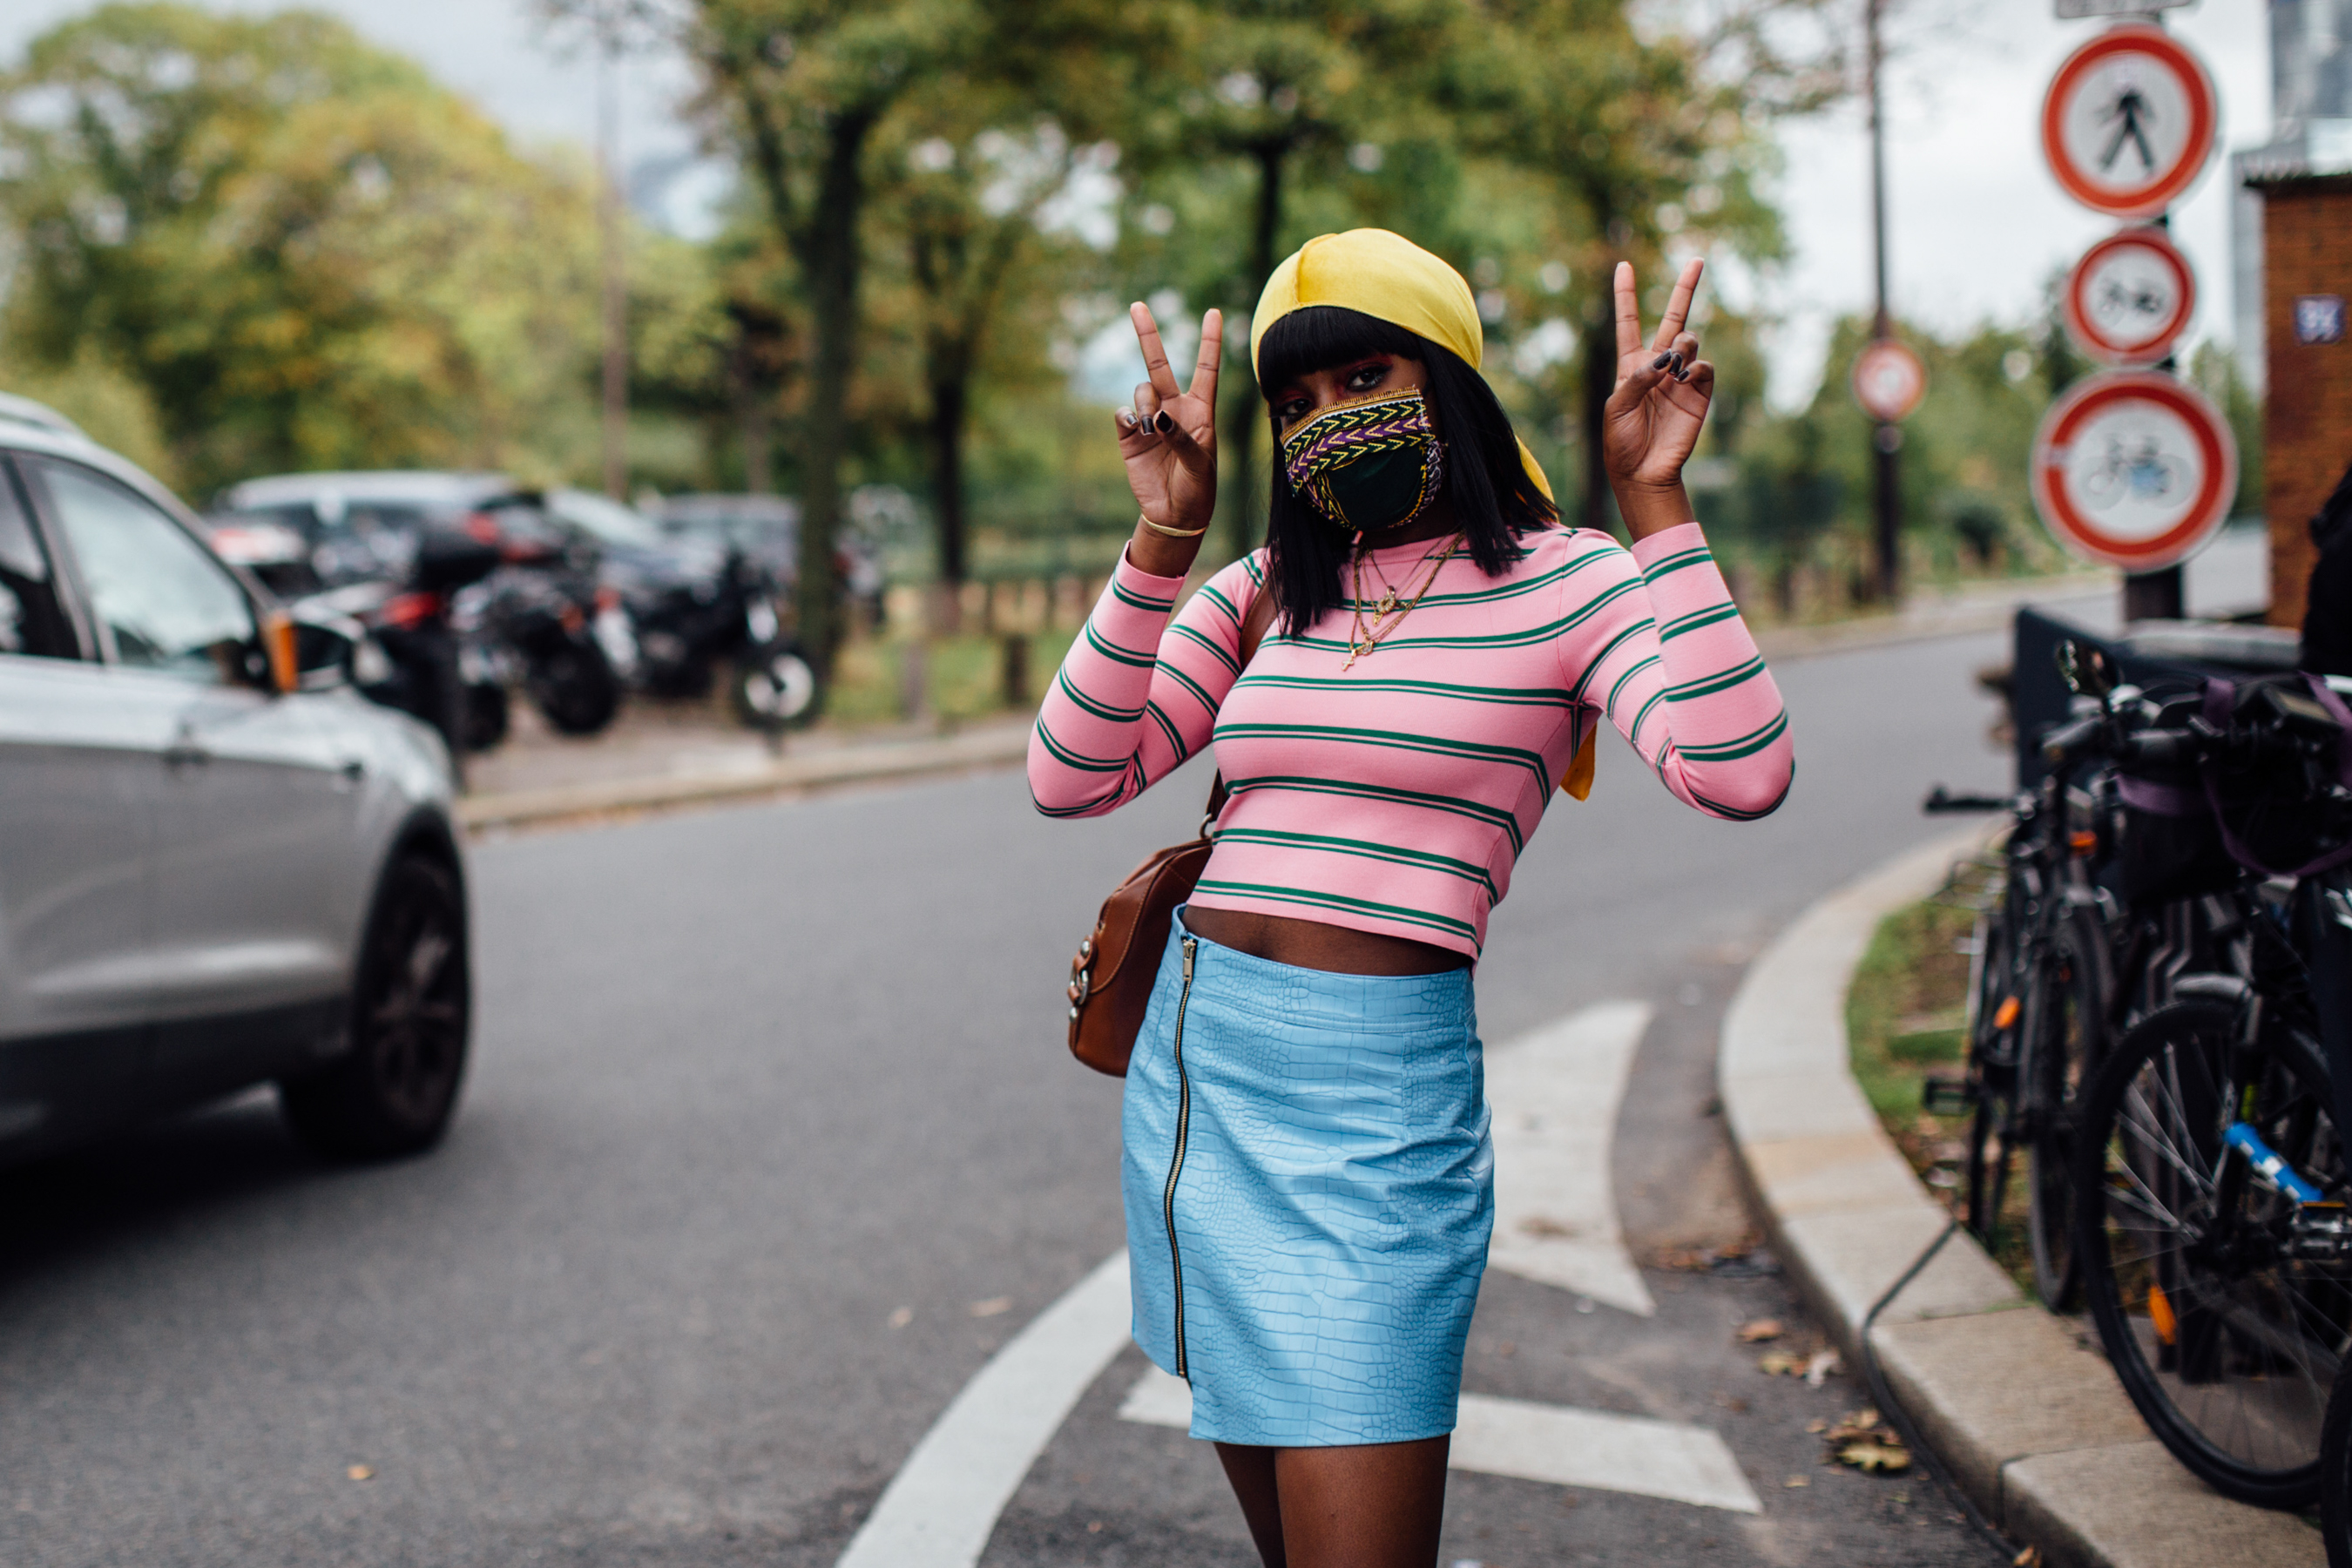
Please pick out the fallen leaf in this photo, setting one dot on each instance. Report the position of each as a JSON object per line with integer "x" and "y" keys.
{"x": 1875, "y": 1458}
{"x": 1736, "y": 1406}
{"x": 1777, "y": 1364}
{"x": 1544, "y": 1224}
{"x": 1794, "y": 1481}
{"x": 901, "y": 1317}
{"x": 1756, "y": 1330}
{"x": 1094, "y": 1527}
{"x": 1817, "y": 1425}
{"x": 361, "y": 1472}
{"x": 992, "y": 1306}
{"x": 1820, "y": 1365}
{"x": 2029, "y": 1558}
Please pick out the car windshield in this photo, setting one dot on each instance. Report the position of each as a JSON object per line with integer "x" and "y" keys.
{"x": 607, "y": 519}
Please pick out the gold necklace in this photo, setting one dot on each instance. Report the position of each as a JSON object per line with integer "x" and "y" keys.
{"x": 1387, "y": 615}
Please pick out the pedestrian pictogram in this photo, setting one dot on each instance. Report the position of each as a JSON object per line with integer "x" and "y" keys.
{"x": 1889, "y": 380}
{"x": 2129, "y": 121}
{"x": 2130, "y": 297}
{"x": 2134, "y": 468}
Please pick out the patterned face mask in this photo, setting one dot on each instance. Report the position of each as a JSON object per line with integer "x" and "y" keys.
{"x": 1370, "y": 465}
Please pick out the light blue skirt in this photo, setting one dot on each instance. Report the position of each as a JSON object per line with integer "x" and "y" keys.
{"x": 1309, "y": 1190}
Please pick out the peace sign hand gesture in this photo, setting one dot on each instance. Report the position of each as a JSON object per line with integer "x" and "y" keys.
{"x": 1169, "y": 442}
{"x": 1652, "y": 420}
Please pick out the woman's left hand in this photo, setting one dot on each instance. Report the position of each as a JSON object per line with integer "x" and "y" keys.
{"x": 1652, "y": 420}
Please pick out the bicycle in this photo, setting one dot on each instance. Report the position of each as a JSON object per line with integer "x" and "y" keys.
{"x": 2041, "y": 989}
{"x": 2210, "y": 1178}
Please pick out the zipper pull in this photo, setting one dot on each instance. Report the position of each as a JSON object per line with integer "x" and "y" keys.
{"x": 1190, "y": 944}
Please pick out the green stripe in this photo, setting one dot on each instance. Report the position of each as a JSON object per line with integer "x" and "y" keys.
{"x": 1696, "y": 619}
{"x": 1547, "y": 632}
{"x": 1658, "y": 569}
{"x": 1190, "y": 685}
{"x": 1209, "y": 591}
{"x": 1737, "y": 815}
{"x": 1364, "y": 850}
{"x": 1708, "y": 685}
{"x": 1508, "y": 696}
{"x": 1635, "y": 727}
{"x": 1175, "y": 741}
{"x": 1069, "y": 758}
{"x": 1128, "y": 596}
{"x": 1390, "y": 740}
{"x": 1100, "y": 710}
{"x": 1222, "y": 656}
{"x": 1341, "y": 902}
{"x": 1576, "y": 692}
{"x": 1746, "y": 745}
{"x": 1117, "y": 655}
{"x": 1636, "y": 668}
{"x": 1493, "y": 817}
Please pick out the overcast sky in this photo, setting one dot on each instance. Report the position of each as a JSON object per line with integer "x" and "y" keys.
{"x": 1975, "y": 221}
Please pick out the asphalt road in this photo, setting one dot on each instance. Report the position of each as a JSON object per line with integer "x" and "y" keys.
{"x": 771, "y": 1143}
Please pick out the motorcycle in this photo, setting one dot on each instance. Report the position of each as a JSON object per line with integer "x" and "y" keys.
{"x": 691, "y": 630}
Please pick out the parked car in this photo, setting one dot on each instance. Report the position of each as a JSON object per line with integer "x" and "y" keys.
{"x": 219, "y": 866}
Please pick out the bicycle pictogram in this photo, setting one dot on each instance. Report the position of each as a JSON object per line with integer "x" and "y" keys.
{"x": 2142, "y": 471}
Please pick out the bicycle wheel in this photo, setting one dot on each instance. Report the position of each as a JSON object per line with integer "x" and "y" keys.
{"x": 2065, "y": 1020}
{"x": 2226, "y": 1341}
{"x": 2335, "y": 1476}
{"x": 1994, "y": 1012}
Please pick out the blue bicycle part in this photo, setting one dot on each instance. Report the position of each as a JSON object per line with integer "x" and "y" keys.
{"x": 2269, "y": 1164}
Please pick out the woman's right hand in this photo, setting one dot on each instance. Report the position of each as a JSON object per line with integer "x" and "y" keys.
{"x": 1169, "y": 442}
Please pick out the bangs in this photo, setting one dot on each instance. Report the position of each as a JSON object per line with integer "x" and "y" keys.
{"x": 1324, "y": 337}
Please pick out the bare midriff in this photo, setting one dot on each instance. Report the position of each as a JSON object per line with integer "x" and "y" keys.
{"x": 1311, "y": 944}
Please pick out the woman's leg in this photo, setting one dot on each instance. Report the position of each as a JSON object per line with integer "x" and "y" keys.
{"x": 1375, "y": 1506}
{"x": 1251, "y": 1471}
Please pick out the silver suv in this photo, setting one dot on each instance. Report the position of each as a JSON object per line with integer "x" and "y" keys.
{"x": 219, "y": 866}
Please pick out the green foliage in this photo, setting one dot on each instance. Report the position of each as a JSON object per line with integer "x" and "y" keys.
{"x": 304, "y": 253}
{"x": 2214, "y": 369}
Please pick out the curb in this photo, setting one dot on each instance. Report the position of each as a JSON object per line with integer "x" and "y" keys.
{"x": 2029, "y": 1420}
{"x": 994, "y": 746}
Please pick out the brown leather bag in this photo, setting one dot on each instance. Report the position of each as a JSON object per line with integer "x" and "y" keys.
{"x": 1111, "y": 977}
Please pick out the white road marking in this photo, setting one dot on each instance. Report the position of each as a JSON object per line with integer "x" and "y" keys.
{"x": 1566, "y": 1447}
{"x": 942, "y": 1507}
{"x": 1555, "y": 1095}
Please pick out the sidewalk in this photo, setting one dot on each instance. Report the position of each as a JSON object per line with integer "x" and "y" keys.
{"x": 2026, "y": 1416}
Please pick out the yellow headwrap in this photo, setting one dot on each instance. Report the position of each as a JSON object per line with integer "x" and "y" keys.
{"x": 1389, "y": 279}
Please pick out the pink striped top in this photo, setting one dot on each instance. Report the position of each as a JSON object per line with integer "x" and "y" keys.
{"x": 1396, "y": 796}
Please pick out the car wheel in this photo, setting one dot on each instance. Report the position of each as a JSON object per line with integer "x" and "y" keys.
{"x": 776, "y": 688}
{"x": 394, "y": 1092}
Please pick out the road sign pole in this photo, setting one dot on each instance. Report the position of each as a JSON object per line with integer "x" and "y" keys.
{"x": 2161, "y": 594}
{"x": 1886, "y": 439}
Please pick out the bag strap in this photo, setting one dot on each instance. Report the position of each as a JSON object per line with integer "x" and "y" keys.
{"x": 1256, "y": 620}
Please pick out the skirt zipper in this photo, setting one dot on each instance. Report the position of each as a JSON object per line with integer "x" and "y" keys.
{"x": 1176, "y": 1161}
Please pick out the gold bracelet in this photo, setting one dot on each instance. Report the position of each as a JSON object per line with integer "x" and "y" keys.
{"x": 1171, "y": 533}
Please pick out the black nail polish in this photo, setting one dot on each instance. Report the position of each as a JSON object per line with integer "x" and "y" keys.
{"x": 1678, "y": 372}
{"x": 1164, "y": 423}
{"x": 1682, "y": 375}
{"x": 1661, "y": 362}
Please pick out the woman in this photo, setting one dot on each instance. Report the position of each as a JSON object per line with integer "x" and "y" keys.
{"x": 1307, "y": 1174}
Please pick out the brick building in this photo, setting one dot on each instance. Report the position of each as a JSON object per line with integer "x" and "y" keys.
{"x": 2307, "y": 418}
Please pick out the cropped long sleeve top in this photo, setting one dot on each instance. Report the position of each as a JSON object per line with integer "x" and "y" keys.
{"x": 1395, "y": 796}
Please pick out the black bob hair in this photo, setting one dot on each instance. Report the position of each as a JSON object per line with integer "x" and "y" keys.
{"x": 1486, "y": 485}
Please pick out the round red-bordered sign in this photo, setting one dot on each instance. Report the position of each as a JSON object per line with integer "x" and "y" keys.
{"x": 1889, "y": 381}
{"x": 2134, "y": 468}
{"x": 2129, "y": 121}
{"x": 2130, "y": 297}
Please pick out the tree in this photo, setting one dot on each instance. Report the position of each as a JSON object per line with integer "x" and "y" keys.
{"x": 303, "y": 251}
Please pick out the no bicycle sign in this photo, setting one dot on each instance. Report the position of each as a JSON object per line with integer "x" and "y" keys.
{"x": 2129, "y": 121}
{"x": 2130, "y": 298}
{"x": 2134, "y": 470}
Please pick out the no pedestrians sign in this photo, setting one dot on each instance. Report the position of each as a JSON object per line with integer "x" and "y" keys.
{"x": 2129, "y": 121}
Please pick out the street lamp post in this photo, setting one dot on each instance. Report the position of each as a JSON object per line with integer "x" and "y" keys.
{"x": 1886, "y": 436}
{"x": 616, "y": 287}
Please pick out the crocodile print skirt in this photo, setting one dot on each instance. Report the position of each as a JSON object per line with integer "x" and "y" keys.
{"x": 1309, "y": 1190}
